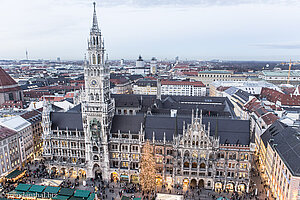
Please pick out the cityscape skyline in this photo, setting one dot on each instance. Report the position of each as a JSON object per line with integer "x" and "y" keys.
{"x": 196, "y": 30}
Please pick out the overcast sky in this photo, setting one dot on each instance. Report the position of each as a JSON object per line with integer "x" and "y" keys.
{"x": 190, "y": 29}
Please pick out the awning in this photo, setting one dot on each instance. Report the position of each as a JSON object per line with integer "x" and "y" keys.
{"x": 23, "y": 187}
{"x": 77, "y": 198}
{"x": 82, "y": 193}
{"x": 91, "y": 197}
{"x": 125, "y": 198}
{"x": 51, "y": 189}
{"x": 15, "y": 174}
{"x": 61, "y": 197}
{"x": 66, "y": 191}
{"x": 37, "y": 188}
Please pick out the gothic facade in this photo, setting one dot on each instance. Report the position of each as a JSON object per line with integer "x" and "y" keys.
{"x": 196, "y": 141}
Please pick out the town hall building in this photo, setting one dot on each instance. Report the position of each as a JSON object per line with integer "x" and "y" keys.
{"x": 197, "y": 141}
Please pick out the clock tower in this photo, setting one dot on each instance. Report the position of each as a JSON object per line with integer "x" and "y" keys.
{"x": 97, "y": 105}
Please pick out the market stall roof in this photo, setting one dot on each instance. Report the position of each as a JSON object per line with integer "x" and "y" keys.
{"x": 66, "y": 191}
{"x": 82, "y": 193}
{"x": 91, "y": 197}
{"x": 14, "y": 174}
{"x": 37, "y": 188}
{"x": 77, "y": 198}
{"x": 52, "y": 189}
{"x": 15, "y": 192}
{"x": 23, "y": 187}
{"x": 61, "y": 197}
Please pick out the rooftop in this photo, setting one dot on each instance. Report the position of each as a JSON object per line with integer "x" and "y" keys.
{"x": 16, "y": 123}
{"x": 286, "y": 142}
{"x": 215, "y": 72}
{"x": 280, "y": 73}
{"x": 6, "y": 79}
{"x": 244, "y": 84}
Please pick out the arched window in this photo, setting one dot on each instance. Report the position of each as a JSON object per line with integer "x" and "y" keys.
{"x": 97, "y": 97}
{"x": 208, "y": 183}
{"x": 94, "y": 59}
{"x": 96, "y": 157}
{"x": 97, "y": 40}
{"x": 194, "y": 165}
{"x": 95, "y": 149}
{"x": 99, "y": 59}
{"x": 202, "y": 165}
{"x": 94, "y": 41}
{"x": 186, "y": 164}
{"x": 92, "y": 97}
{"x": 186, "y": 153}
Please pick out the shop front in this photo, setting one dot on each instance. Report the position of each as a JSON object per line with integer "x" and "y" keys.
{"x": 134, "y": 178}
{"x": 241, "y": 187}
{"x": 124, "y": 178}
{"x": 230, "y": 187}
{"x": 114, "y": 177}
{"x": 218, "y": 186}
{"x": 159, "y": 180}
{"x": 185, "y": 182}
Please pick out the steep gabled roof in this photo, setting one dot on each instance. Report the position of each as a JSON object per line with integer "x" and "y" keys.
{"x": 6, "y": 79}
{"x": 285, "y": 141}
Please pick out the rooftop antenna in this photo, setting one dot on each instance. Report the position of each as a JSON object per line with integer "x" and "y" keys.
{"x": 26, "y": 54}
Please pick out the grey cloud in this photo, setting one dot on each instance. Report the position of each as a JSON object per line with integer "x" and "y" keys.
{"x": 144, "y": 3}
{"x": 280, "y": 46}
{"x": 204, "y": 3}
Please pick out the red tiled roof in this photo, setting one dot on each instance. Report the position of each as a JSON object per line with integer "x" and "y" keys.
{"x": 195, "y": 83}
{"x": 285, "y": 99}
{"x": 221, "y": 88}
{"x": 290, "y": 100}
{"x": 178, "y": 66}
{"x": 5, "y": 132}
{"x": 119, "y": 81}
{"x": 150, "y": 77}
{"x": 60, "y": 87}
{"x": 190, "y": 73}
{"x": 12, "y": 104}
{"x": 35, "y": 94}
{"x": 5, "y": 79}
{"x": 269, "y": 118}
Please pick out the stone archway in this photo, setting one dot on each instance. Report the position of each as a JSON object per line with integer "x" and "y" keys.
{"x": 241, "y": 187}
{"x": 201, "y": 183}
{"x": 63, "y": 171}
{"x": 53, "y": 170}
{"x": 82, "y": 173}
{"x": 72, "y": 172}
{"x": 114, "y": 177}
{"x": 97, "y": 172}
{"x": 193, "y": 183}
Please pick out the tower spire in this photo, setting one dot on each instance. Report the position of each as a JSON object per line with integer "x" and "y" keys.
{"x": 95, "y": 22}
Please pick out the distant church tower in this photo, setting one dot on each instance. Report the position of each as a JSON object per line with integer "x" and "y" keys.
{"x": 97, "y": 105}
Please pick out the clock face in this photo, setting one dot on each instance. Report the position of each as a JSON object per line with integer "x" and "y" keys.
{"x": 93, "y": 83}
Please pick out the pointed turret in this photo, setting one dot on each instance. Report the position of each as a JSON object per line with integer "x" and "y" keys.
{"x": 95, "y": 22}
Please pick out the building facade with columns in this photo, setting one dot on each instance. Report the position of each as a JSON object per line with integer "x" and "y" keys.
{"x": 196, "y": 140}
